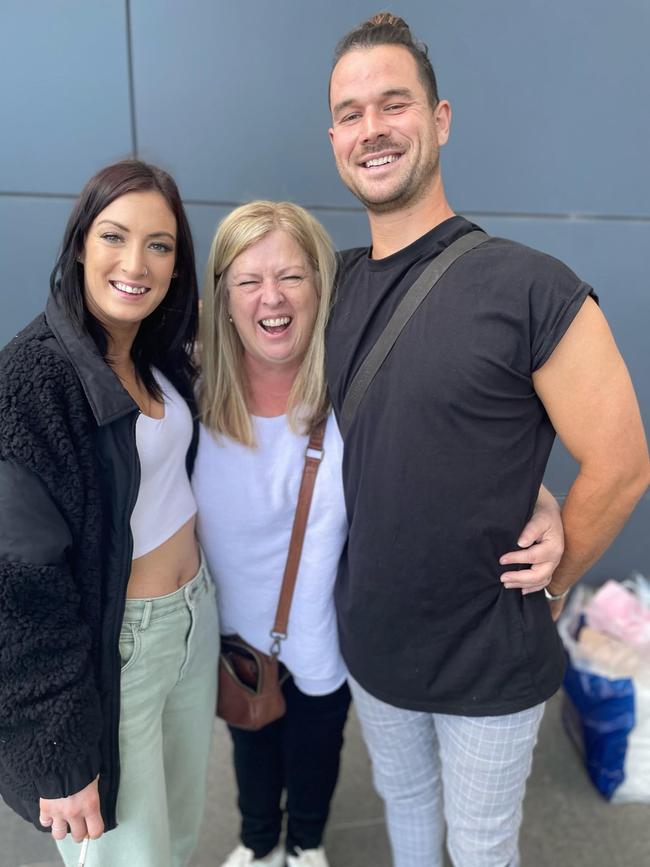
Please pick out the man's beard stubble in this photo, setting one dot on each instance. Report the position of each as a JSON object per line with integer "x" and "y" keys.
{"x": 413, "y": 187}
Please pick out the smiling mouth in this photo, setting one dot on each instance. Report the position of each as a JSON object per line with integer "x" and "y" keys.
{"x": 276, "y": 325}
{"x": 385, "y": 160}
{"x": 127, "y": 289}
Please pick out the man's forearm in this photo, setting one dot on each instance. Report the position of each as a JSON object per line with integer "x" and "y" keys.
{"x": 594, "y": 512}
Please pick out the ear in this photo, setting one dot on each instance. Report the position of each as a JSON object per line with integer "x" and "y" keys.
{"x": 330, "y": 133}
{"x": 442, "y": 118}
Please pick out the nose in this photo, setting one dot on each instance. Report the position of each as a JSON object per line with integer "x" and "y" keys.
{"x": 133, "y": 263}
{"x": 272, "y": 294}
{"x": 373, "y": 126}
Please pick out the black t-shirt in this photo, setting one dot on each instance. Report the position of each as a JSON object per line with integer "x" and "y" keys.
{"x": 442, "y": 466}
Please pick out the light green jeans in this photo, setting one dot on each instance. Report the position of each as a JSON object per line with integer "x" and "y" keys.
{"x": 169, "y": 647}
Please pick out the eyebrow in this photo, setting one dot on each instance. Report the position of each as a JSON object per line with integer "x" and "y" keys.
{"x": 387, "y": 94}
{"x": 399, "y": 91}
{"x": 340, "y": 106}
{"x": 126, "y": 229}
{"x": 280, "y": 272}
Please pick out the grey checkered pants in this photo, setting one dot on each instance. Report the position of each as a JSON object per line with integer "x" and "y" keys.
{"x": 469, "y": 772}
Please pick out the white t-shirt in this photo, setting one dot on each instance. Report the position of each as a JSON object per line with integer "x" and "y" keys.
{"x": 246, "y": 501}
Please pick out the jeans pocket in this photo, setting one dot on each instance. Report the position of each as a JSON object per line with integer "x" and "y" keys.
{"x": 129, "y": 645}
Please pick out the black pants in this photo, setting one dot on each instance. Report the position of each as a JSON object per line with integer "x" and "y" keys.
{"x": 300, "y": 753}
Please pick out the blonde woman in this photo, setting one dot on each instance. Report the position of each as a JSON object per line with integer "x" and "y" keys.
{"x": 266, "y": 302}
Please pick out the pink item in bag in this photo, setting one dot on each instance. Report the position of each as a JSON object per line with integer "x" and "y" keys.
{"x": 619, "y": 612}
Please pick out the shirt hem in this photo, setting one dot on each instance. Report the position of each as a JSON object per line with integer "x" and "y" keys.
{"x": 318, "y": 687}
{"x": 565, "y": 320}
{"x": 165, "y": 534}
{"x": 459, "y": 709}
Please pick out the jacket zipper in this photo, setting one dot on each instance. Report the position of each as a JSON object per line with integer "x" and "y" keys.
{"x": 114, "y": 723}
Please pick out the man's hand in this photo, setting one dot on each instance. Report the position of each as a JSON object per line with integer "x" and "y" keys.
{"x": 541, "y": 546}
{"x": 80, "y": 811}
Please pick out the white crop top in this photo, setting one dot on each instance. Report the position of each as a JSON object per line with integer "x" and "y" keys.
{"x": 165, "y": 499}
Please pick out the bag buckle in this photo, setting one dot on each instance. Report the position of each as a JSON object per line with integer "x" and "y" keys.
{"x": 278, "y": 638}
{"x": 314, "y": 454}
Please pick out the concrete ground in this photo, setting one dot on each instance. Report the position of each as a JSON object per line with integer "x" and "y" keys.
{"x": 566, "y": 823}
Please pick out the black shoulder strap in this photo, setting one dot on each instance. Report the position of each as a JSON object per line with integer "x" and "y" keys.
{"x": 405, "y": 309}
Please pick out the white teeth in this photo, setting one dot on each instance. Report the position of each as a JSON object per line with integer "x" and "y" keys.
{"x": 274, "y": 323}
{"x": 130, "y": 290}
{"x": 381, "y": 161}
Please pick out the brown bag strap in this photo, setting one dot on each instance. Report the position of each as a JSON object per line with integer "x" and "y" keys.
{"x": 313, "y": 457}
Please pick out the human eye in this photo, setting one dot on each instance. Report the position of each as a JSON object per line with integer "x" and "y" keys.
{"x": 161, "y": 247}
{"x": 350, "y": 117}
{"x": 395, "y": 107}
{"x": 292, "y": 280}
{"x": 111, "y": 237}
{"x": 248, "y": 285}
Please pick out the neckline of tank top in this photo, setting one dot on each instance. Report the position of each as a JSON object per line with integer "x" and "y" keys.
{"x": 163, "y": 384}
{"x": 152, "y": 418}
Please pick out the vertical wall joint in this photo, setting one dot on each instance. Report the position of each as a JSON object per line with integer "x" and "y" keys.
{"x": 129, "y": 61}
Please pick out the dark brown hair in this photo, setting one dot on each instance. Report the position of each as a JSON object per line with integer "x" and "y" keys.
{"x": 384, "y": 28}
{"x": 166, "y": 337}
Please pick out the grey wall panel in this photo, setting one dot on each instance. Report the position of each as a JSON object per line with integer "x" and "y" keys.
{"x": 233, "y": 99}
{"x": 236, "y": 111}
{"x": 65, "y": 94}
{"x": 550, "y": 104}
{"x": 346, "y": 228}
{"x": 31, "y": 234}
{"x": 203, "y": 222}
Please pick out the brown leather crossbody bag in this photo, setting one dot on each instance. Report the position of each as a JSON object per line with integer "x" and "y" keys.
{"x": 250, "y": 683}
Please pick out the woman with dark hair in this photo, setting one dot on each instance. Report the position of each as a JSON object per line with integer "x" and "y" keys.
{"x": 107, "y": 613}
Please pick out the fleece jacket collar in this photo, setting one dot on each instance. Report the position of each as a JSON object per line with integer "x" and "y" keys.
{"x": 107, "y": 397}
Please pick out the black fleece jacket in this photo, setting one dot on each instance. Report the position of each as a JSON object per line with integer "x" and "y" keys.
{"x": 69, "y": 476}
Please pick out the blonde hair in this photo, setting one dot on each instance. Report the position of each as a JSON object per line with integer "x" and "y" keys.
{"x": 222, "y": 392}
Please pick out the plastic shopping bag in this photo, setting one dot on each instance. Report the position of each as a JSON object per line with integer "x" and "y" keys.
{"x": 607, "y": 685}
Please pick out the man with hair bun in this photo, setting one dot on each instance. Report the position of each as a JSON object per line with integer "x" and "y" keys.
{"x": 450, "y": 666}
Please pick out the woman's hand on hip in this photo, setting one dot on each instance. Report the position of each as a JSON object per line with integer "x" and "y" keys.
{"x": 80, "y": 811}
{"x": 542, "y": 546}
